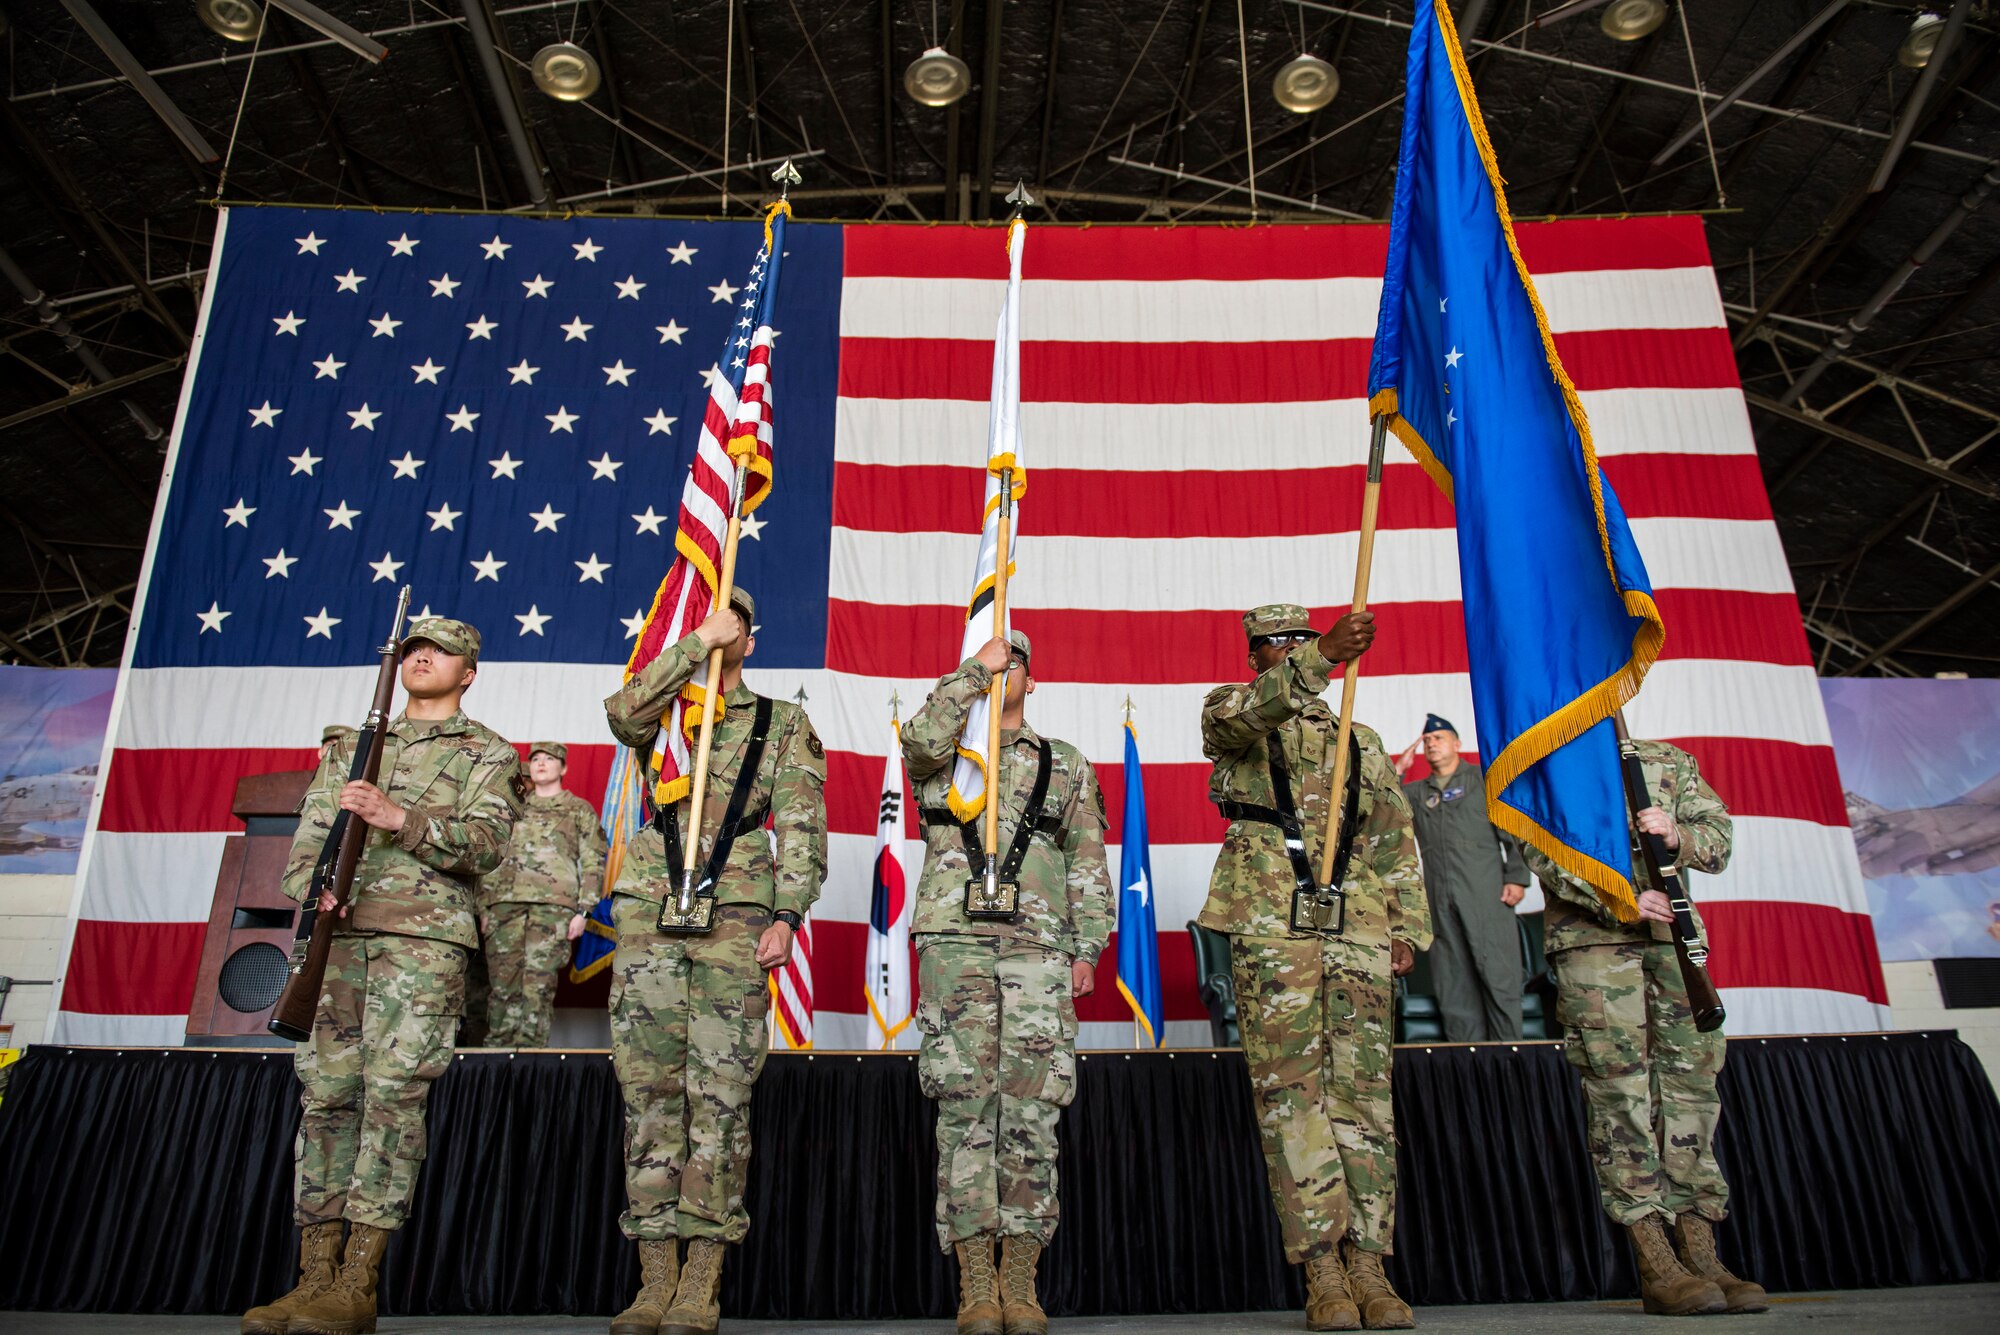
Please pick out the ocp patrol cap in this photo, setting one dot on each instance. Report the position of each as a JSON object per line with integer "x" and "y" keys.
{"x": 1019, "y": 640}
{"x": 454, "y": 637}
{"x": 553, "y": 750}
{"x": 740, "y": 599}
{"x": 1277, "y": 619}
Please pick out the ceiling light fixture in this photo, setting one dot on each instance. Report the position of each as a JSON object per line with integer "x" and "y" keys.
{"x": 1629, "y": 20}
{"x": 360, "y": 43}
{"x": 1305, "y": 84}
{"x": 565, "y": 71}
{"x": 1915, "y": 52}
{"x": 238, "y": 20}
{"x": 937, "y": 78}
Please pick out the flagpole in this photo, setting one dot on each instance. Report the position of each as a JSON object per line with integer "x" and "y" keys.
{"x": 997, "y": 693}
{"x": 1371, "y": 500}
{"x": 713, "y": 705}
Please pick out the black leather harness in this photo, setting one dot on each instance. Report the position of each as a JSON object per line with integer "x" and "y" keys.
{"x": 1285, "y": 814}
{"x": 1033, "y": 821}
{"x": 735, "y": 820}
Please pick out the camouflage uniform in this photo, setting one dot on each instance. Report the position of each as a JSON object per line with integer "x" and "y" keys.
{"x": 994, "y": 998}
{"x": 554, "y": 870}
{"x": 1648, "y": 1076}
{"x": 687, "y": 1012}
{"x": 395, "y": 980}
{"x": 1314, "y": 1012}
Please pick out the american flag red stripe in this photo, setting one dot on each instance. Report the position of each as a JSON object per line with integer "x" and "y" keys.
{"x": 1125, "y": 490}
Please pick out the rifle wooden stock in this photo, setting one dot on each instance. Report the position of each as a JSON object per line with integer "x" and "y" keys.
{"x": 292, "y": 1017}
{"x": 1689, "y": 948}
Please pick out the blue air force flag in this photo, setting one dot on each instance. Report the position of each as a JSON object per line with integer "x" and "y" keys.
{"x": 1560, "y": 624}
{"x": 1138, "y": 941}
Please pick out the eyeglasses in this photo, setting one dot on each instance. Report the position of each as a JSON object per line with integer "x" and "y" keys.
{"x": 1289, "y": 639}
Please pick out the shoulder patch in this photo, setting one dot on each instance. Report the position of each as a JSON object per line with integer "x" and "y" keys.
{"x": 522, "y": 785}
{"x": 1219, "y": 694}
{"x": 814, "y": 744}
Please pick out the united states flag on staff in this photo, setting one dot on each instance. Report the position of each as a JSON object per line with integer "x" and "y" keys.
{"x": 499, "y": 411}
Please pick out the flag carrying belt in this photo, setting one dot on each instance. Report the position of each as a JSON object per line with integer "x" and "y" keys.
{"x": 1033, "y": 822}
{"x": 735, "y": 821}
{"x": 1284, "y": 813}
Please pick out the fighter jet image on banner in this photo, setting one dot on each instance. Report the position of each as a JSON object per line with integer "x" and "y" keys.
{"x": 45, "y": 813}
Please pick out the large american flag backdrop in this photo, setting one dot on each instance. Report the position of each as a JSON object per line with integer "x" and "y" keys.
{"x": 499, "y": 411}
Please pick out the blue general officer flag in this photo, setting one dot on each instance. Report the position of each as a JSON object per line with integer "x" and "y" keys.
{"x": 1560, "y": 624}
{"x": 1138, "y": 939}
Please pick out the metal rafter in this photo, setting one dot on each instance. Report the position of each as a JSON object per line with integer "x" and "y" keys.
{"x": 1958, "y": 599}
{"x": 1935, "y": 471}
{"x": 621, "y": 144}
{"x": 989, "y": 108}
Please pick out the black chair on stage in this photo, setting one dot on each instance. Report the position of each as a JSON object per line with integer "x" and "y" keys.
{"x": 1215, "y": 984}
{"x": 1418, "y": 1019}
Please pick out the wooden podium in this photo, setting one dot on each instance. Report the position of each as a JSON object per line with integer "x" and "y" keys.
{"x": 250, "y": 924}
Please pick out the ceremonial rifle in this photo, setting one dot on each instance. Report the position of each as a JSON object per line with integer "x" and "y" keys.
{"x": 1691, "y": 950}
{"x": 292, "y": 1018}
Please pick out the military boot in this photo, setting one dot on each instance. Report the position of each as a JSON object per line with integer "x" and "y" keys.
{"x": 319, "y": 1261}
{"x": 1696, "y": 1237}
{"x": 1380, "y": 1308}
{"x": 1020, "y": 1312}
{"x": 978, "y": 1288}
{"x": 1665, "y": 1286}
{"x": 348, "y": 1305}
{"x": 697, "y": 1308}
{"x": 1329, "y": 1306}
{"x": 659, "y": 1273}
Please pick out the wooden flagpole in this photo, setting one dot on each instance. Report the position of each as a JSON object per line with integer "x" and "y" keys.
{"x": 1371, "y": 500}
{"x": 997, "y": 693}
{"x": 705, "y": 743}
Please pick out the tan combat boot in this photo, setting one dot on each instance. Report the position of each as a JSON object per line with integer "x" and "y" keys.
{"x": 1020, "y": 1312}
{"x": 1329, "y": 1306}
{"x": 348, "y": 1305}
{"x": 1380, "y": 1308}
{"x": 659, "y": 1273}
{"x": 319, "y": 1261}
{"x": 1665, "y": 1286}
{"x": 697, "y": 1308}
{"x": 1696, "y": 1237}
{"x": 978, "y": 1288}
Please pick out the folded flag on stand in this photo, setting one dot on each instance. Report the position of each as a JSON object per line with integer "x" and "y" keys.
{"x": 1560, "y": 624}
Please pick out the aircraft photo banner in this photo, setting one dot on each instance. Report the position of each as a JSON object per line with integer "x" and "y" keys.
{"x": 52, "y": 725}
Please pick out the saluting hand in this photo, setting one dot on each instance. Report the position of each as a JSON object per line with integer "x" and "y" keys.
{"x": 1655, "y": 821}
{"x": 370, "y": 803}
{"x": 1349, "y": 638}
{"x": 774, "y": 947}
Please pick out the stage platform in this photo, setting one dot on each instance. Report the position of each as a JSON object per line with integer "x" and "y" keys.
{"x": 159, "y": 1180}
{"x": 1961, "y": 1309}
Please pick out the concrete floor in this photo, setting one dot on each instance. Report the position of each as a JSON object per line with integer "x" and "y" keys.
{"x": 1973, "y": 1309}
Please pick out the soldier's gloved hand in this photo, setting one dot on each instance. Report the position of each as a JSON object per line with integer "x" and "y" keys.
{"x": 994, "y": 654}
{"x": 1654, "y": 906}
{"x": 370, "y": 803}
{"x": 1402, "y": 959}
{"x": 1349, "y": 638}
{"x": 575, "y": 926}
{"x": 774, "y": 947}
{"x": 720, "y": 630}
{"x": 1655, "y": 821}
{"x": 1082, "y": 979}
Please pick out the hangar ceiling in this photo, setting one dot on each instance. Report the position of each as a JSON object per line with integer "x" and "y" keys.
{"x": 1848, "y": 198}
